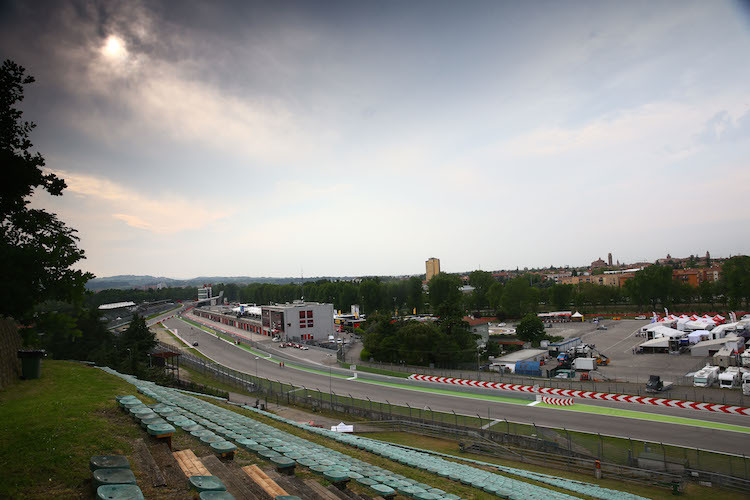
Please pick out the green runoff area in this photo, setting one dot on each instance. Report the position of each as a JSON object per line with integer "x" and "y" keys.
{"x": 593, "y": 409}
{"x": 653, "y": 417}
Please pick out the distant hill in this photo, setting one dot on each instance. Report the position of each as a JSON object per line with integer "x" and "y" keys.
{"x": 128, "y": 281}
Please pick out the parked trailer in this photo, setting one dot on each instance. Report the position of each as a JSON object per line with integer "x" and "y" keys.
{"x": 706, "y": 376}
{"x": 584, "y": 363}
{"x": 746, "y": 383}
{"x": 564, "y": 345}
{"x": 730, "y": 378}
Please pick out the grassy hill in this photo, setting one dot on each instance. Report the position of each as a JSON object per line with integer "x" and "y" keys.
{"x": 51, "y": 426}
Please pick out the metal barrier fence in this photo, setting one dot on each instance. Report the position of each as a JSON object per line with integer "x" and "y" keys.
{"x": 529, "y": 443}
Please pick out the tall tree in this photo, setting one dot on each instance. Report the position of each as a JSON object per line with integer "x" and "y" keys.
{"x": 652, "y": 285}
{"x": 735, "y": 277}
{"x": 530, "y": 329}
{"x": 519, "y": 297}
{"x": 481, "y": 281}
{"x": 561, "y": 295}
{"x": 415, "y": 295}
{"x": 135, "y": 343}
{"x": 706, "y": 292}
{"x": 445, "y": 296}
{"x": 37, "y": 251}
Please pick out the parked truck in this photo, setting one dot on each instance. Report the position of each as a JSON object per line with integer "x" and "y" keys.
{"x": 584, "y": 364}
{"x": 706, "y": 376}
{"x": 656, "y": 384}
{"x": 730, "y": 378}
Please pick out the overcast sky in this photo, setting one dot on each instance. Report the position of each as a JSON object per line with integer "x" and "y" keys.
{"x": 361, "y": 138}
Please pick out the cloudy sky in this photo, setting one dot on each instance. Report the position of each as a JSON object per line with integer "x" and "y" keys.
{"x": 360, "y": 138}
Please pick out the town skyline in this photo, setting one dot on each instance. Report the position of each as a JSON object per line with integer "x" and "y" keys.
{"x": 699, "y": 259}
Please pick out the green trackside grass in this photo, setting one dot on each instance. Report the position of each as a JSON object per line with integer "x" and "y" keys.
{"x": 199, "y": 378}
{"x": 378, "y": 371}
{"x": 191, "y": 350}
{"x": 693, "y": 491}
{"x": 160, "y": 313}
{"x": 53, "y": 425}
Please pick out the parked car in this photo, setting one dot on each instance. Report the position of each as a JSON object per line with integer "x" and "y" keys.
{"x": 640, "y": 317}
{"x": 276, "y": 339}
{"x": 601, "y": 327}
{"x": 304, "y": 348}
{"x": 195, "y": 344}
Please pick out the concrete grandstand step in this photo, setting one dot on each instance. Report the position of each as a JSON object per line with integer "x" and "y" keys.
{"x": 288, "y": 483}
{"x": 319, "y": 490}
{"x": 343, "y": 494}
{"x": 144, "y": 458}
{"x": 173, "y": 475}
{"x": 234, "y": 485}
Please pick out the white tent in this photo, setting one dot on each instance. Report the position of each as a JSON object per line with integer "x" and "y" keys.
{"x": 656, "y": 343}
{"x": 698, "y": 335}
{"x": 700, "y": 324}
{"x": 658, "y": 331}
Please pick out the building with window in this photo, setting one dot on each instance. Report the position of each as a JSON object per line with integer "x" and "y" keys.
{"x": 205, "y": 292}
{"x": 433, "y": 267}
{"x": 298, "y": 320}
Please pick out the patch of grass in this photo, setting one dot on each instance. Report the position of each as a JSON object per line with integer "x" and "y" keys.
{"x": 381, "y": 371}
{"x": 152, "y": 316}
{"x": 53, "y": 425}
{"x": 208, "y": 380}
{"x": 196, "y": 352}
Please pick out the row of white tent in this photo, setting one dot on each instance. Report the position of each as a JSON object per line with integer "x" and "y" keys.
{"x": 660, "y": 334}
{"x": 692, "y": 322}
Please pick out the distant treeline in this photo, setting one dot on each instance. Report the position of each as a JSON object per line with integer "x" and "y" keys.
{"x": 649, "y": 289}
{"x": 125, "y": 282}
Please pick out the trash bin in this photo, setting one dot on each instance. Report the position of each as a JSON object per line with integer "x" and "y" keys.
{"x": 31, "y": 363}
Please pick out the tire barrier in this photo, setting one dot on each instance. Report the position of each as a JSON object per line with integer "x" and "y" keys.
{"x": 603, "y": 396}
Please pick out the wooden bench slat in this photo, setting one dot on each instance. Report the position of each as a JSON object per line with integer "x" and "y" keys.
{"x": 265, "y": 482}
{"x": 190, "y": 464}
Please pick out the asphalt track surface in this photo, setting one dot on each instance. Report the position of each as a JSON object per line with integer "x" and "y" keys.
{"x": 497, "y": 405}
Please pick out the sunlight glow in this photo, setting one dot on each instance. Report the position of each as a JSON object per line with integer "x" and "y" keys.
{"x": 114, "y": 47}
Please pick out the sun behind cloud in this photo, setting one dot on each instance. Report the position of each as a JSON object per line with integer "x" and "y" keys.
{"x": 114, "y": 48}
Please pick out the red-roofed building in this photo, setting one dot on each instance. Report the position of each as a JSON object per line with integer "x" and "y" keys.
{"x": 480, "y": 326}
